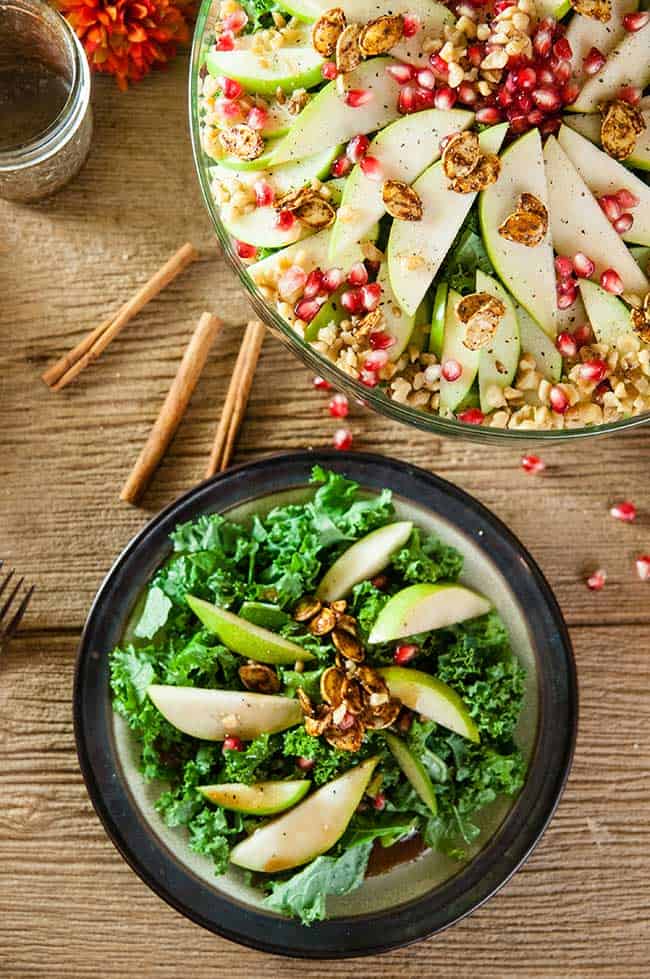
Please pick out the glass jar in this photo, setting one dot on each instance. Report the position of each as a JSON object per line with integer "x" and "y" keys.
{"x": 45, "y": 111}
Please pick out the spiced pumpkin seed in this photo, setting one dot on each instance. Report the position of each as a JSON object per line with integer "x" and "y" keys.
{"x": 327, "y": 30}
{"x": 304, "y": 700}
{"x": 348, "y": 739}
{"x": 401, "y": 201}
{"x": 348, "y": 53}
{"x": 348, "y": 645}
{"x": 486, "y": 172}
{"x": 382, "y": 34}
{"x": 460, "y": 155}
{"x": 353, "y": 696}
{"x": 306, "y": 609}
{"x": 595, "y": 9}
{"x": 332, "y": 685}
{"x": 323, "y": 623}
{"x": 383, "y": 716}
{"x": 319, "y": 722}
{"x": 259, "y": 677}
{"x": 242, "y": 141}
{"x": 524, "y": 227}
{"x": 620, "y": 126}
{"x": 641, "y": 319}
{"x": 315, "y": 213}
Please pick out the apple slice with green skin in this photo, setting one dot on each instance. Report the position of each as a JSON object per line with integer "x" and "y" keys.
{"x": 453, "y": 393}
{"x": 438, "y": 320}
{"x": 309, "y": 829}
{"x": 397, "y": 321}
{"x": 404, "y": 149}
{"x": 588, "y": 125}
{"x": 432, "y": 698}
{"x": 528, "y": 273}
{"x": 244, "y": 638}
{"x": 539, "y": 345}
{"x": 609, "y": 316}
{"x": 421, "y": 608}
{"x": 262, "y": 162}
{"x": 260, "y": 228}
{"x": 214, "y": 715}
{"x": 414, "y": 770}
{"x": 627, "y": 64}
{"x": 258, "y": 799}
{"x": 328, "y": 120}
{"x": 584, "y": 33}
{"x": 416, "y": 249}
{"x": 313, "y": 251}
{"x": 642, "y": 257}
{"x": 578, "y": 225}
{"x": 283, "y": 179}
{"x": 498, "y": 362}
{"x": 264, "y": 614}
{"x": 604, "y": 175}
{"x": 290, "y": 67}
{"x": 551, "y": 8}
{"x": 363, "y": 560}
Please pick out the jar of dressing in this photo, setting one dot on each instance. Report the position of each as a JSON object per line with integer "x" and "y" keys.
{"x": 45, "y": 111}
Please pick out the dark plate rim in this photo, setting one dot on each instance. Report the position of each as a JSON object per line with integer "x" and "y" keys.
{"x": 416, "y": 919}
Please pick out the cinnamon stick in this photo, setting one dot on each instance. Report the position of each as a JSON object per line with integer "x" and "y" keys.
{"x": 234, "y": 408}
{"x": 60, "y": 374}
{"x": 173, "y": 407}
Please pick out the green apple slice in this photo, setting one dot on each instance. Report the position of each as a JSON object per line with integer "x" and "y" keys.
{"x": 438, "y": 320}
{"x": 608, "y": 315}
{"x": 397, "y": 321}
{"x": 313, "y": 251}
{"x": 258, "y": 799}
{"x": 627, "y": 64}
{"x": 642, "y": 257}
{"x": 584, "y": 33}
{"x": 288, "y": 68}
{"x": 309, "y": 829}
{"x": 283, "y": 179}
{"x": 328, "y": 120}
{"x": 264, "y": 614}
{"x": 414, "y": 770}
{"x": 588, "y": 125}
{"x": 453, "y": 393}
{"x": 604, "y": 175}
{"x": 578, "y": 225}
{"x": 416, "y": 249}
{"x": 540, "y": 346}
{"x": 432, "y": 698}
{"x": 421, "y": 608}
{"x": 404, "y": 149}
{"x": 213, "y": 715}
{"x": 498, "y": 361}
{"x": 259, "y": 227}
{"x": 243, "y": 637}
{"x": 363, "y": 560}
{"x": 261, "y": 162}
{"x": 528, "y": 273}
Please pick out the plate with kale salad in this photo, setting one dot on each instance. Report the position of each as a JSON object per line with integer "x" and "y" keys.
{"x": 325, "y": 707}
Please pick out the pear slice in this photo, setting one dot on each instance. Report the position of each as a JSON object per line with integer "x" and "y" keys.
{"x": 540, "y": 346}
{"x": 421, "y": 608}
{"x": 432, "y": 698}
{"x": 627, "y": 64}
{"x": 578, "y": 224}
{"x": 414, "y": 770}
{"x": 363, "y": 560}
{"x": 499, "y": 360}
{"x": 416, "y": 249}
{"x": 404, "y": 149}
{"x": 328, "y": 119}
{"x": 584, "y": 33}
{"x": 604, "y": 175}
{"x": 213, "y": 715}
{"x": 311, "y": 828}
{"x": 641, "y": 256}
{"x": 608, "y": 315}
{"x": 588, "y": 125}
{"x": 259, "y": 227}
{"x": 244, "y": 638}
{"x": 284, "y": 178}
{"x": 258, "y": 799}
{"x": 438, "y": 319}
{"x": 288, "y": 68}
{"x": 528, "y": 273}
{"x": 453, "y": 393}
{"x": 313, "y": 252}
{"x": 397, "y": 322}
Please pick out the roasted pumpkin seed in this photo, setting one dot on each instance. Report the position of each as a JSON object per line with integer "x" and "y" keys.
{"x": 327, "y": 30}
{"x": 485, "y": 172}
{"x": 401, "y": 201}
{"x": 242, "y": 141}
{"x": 346, "y": 739}
{"x": 307, "y": 608}
{"x": 315, "y": 213}
{"x": 348, "y": 645}
{"x": 323, "y": 623}
{"x": 620, "y": 126}
{"x": 460, "y": 155}
{"x": 595, "y": 9}
{"x": 382, "y": 34}
{"x": 319, "y": 722}
{"x": 259, "y": 677}
{"x": 383, "y": 716}
{"x": 332, "y": 686}
{"x": 348, "y": 53}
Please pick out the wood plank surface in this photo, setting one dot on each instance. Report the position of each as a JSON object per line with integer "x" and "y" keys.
{"x": 69, "y": 905}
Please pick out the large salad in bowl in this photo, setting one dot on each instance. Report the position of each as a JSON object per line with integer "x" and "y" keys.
{"x": 447, "y": 201}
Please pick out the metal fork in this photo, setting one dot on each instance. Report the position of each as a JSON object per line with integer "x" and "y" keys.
{"x": 10, "y": 616}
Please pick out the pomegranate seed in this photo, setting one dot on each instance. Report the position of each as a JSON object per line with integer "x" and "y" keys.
{"x": 565, "y": 286}
{"x": 358, "y": 274}
{"x": 371, "y": 296}
{"x": 634, "y": 22}
{"x": 232, "y": 743}
{"x": 599, "y": 392}
{"x": 566, "y": 299}
{"x": 342, "y": 439}
{"x": 228, "y": 109}
{"x": 426, "y": 79}
{"x": 519, "y": 124}
{"x": 610, "y": 206}
{"x": 371, "y": 168}
{"x": 624, "y": 511}
{"x": 404, "y": 654}
{"x": 351, "y": 301}
{"x": 380, "y": 340}
{"x": 475, "y": 54}
{"x": 583, "y": 265}
{"x": 542, "y": 41}
{"x": 341, "y": 166}
{"x": 550, "y": 125}
{"x": 375, "y": 360}
{"x": 488, "y": 115}
{"x": 583, "y": 335}
{"x": 593, "y": 61}
{"x": 313, "y": 284}
{"x": 643, "y": 567}
{"x": 307, "y": 309}
{"x": 230, "y": 88}
{"x": 321, "y": 384}
{"x": 379, "y": 802}
{"x": 611, "y": 281}
{"x": 445, "y": 98}
{"x": 566, "y": 344}
{"x": 630, "y": 93}
{"x": 502, "y": 5}
{"x": 380, "y": 582}
{"x": 562, "y": 72}
{"x": 532, "y": 464}
{"x": 305, "y": 764}
{"x": 534, "y": 117}
{"x": 471, "y": 416}
{"x": 329, "y": 71}
{"x": 547, "y": 99}
{"x": 225, "y": 41}
{"x": 563, "y": 267}
{"x": 439, "y": 65}
{"x": 285, "y": 220}
{"x": 357, "y": 97}
{"x": 467, "y": 94}
{"x": 357, "y": 147}
{"x": 562, "y": 48}
{"x": 406, "y": 100}
{"x": 624, "y": 223}
{"x": 236, "y": 21}
{"x": 244, "y": 250}
{"x": 570, "y": 93}
{"x": 369, "y": 379}
{"x": 525, "y": 78}
{"x": 596, "y": 581}
{"x": 524, "y": 102}
{"x": 558, "y": 399}
{"x": 626, "y": 198}
{"x": 401, "y": 73}
{"x": 257, "y": 118}
{"x": 451, "y": 370}
{"x": 338, "y": 406}
{"x": 410, "y": 25}
{"x": 264, "y": 193}
{"x": 545, "y": 77}
{"x": 593, "y": 370}
{"x": 332, "y": 279}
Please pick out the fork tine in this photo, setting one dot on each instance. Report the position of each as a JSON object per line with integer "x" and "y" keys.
{"x": 3, "y": 584}
{"x": 20, "y": 611}
{"x": 12, "y": 595}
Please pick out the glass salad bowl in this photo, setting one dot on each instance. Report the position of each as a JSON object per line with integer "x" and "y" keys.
{"x": 380, "y": 397}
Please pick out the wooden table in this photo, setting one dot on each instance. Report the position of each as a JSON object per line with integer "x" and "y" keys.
{"x": 70, "y": 907}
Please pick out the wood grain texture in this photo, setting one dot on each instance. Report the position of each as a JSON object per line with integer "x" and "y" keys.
{"x": 69, "y": 905}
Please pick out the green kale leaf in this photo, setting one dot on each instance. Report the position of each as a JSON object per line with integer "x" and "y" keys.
{"x": 466, "y": 255}
{"x": 328, "y": 762}
{"x": 427, "y": 560}
{"x": 252, "y": 764}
